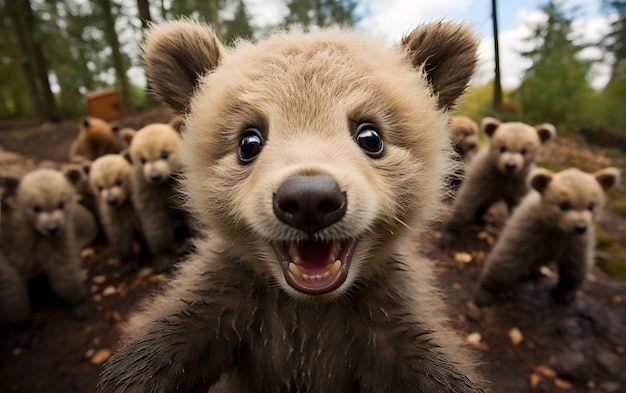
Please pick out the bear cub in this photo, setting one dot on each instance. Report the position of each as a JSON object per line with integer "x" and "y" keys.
{"x": 554, "y": 223}
{"x": 498, "y": 172}
{"x": 38, "y": 237}
{"x": 310, "y": 161}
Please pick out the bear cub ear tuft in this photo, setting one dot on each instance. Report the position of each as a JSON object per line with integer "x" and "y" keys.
{"x": 608, "y": 177}
{"x": 446, "y": 52}
{"x": 540, "y": 178}
{"x": 177, "y": 54}
{"x": 489, "y": 125}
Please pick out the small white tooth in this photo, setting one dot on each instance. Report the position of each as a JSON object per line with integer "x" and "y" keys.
{"x": 334, "y": 268}
{"x": 318, "y": 277}
{"x": 306, "y": 276}
{"x": 295, "y": 269}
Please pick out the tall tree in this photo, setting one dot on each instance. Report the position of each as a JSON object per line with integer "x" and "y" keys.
{"x": 497, "y": 84}
{"x": 239, "y": 26}
{"x": 144, "y": 13}
{"x": 612, "y": 97}
{"x": 554, "y": 88}
{"x": 28, "y": 38}
{"x": 308, "y": 13}
{"x": 116, "y": 53}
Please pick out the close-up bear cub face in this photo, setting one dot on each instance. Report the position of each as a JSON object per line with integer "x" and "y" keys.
{"x": 572, "y": 199}
{"x": 307, "y": 150}
{"x": 46, "y": 198}
{"x": 514, "y": 146}
{"x": 109, "y": 178}
{"x": 154, "y": 149}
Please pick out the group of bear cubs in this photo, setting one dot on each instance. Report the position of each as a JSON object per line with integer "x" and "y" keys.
{"x": 308, "y": 161}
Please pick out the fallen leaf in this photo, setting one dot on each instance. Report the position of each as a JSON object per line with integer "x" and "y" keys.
{"x": 113, "y": 262}
{"x": 101, "y": 356}
{"x": 144, "y": 272}
{"x": 535, "y": 378}
{"x": 545, "y": 371}
{"x": 100, "y": 279}
{"x": 108, "y": 291}
{"x": 546, "y": 271}
{"x": 473, "y": 338}
{"x": 87, "y": 253}
{"x": 90, "y": 352}
{"x": 515, "y": 335}
{"x": 17, "y": 351}
{"x": 156, "y": 278}
{"x": 562, "y": 384}
{"x": 463, "y": 257}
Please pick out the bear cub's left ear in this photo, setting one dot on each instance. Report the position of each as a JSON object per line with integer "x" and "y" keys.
{"x": 546, "y": 132}
{"x": 446, "y": 53}
{"x": 540, "y": 178}
{"x": 177, "y": 54}
{"x": 608, "y": 177}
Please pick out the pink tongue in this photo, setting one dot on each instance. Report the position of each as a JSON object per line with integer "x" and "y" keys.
{"x": 314, "y": 256}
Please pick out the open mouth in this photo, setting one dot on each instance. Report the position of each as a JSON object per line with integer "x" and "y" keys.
{"x": 315, "y": 267}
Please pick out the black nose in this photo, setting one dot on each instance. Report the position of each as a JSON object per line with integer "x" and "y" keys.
{"x": 581, "y": 227}
{"x": 510, "y": 165}
{"x": 112, "y": 201}
{"x": 310, "y": 203}
{"x": 155, "y": 176}
{"x": 52, "y": 228}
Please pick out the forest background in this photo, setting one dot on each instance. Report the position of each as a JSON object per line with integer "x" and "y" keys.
{"x": 53, "y": 52}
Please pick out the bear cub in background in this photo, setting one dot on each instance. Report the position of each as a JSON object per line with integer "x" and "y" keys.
{"x": 310, "y": 161}
{"x": 498, "y": 172}
{"x": 109, "y": 179}
{"x": 554, "y": 223}
{"x": 38, "y": 237}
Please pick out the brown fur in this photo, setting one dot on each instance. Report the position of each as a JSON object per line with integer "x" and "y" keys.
{"x": 44, "y": 199}
{"x": 154, "y": 187}
{"x": 554, "y": 223}
{"x": 95, "y": 138}
{"x": 110, "y": 181}
{"x": 498, "y": 172}
{"x": 464, "y": 134}
{"x": 234, "y": 318}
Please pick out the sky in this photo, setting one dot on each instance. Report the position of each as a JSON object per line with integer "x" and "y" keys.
{"x": 388, "y": 20}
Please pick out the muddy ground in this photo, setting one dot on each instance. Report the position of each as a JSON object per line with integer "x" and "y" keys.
{"x": 526, "y": 343}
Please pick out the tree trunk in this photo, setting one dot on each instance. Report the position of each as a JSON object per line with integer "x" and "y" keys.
{"x": 25, "y": 59}
{"x": 116, "y": 54}
{"x": 144, "y": 13}
{"x": 497, "y": 86}
{"x": 51, "y": 111}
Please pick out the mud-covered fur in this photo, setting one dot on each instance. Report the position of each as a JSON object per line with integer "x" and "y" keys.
{"x": 498, "y": 172}
{"x": 96, "y": 137}
{"x": 38, "y": 237}
{"x": 109, "y": 179}
{"x": 155, "y": 165}
{"x": 555, "y": 223}
{"x": 272, "y": 129}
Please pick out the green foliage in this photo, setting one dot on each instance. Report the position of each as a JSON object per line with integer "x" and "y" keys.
{"x": 320, "y": 13}
{"x": 554, "y": 88}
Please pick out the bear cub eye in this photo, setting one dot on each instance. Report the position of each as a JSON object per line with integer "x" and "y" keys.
{"x": 118, "y": 182}
{"x": 368, "y": 139}
{"x": 250, "y": 145}
{"x": 565, "y": 206}
{"x": 143, "y": 160}
{"x": 523, "y": 151}
{"x": 502, "y": 149}
{"x": 591, "y": 206}
{"x": 37, "y": 209}
{"x": 164, "y": 155}
{"x": 60, "y": 205}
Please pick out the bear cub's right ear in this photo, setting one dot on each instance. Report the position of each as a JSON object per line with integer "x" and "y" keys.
{"x": 177, "y": 54}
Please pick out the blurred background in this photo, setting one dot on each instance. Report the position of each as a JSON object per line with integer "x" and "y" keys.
{"x": 558, "y": 61}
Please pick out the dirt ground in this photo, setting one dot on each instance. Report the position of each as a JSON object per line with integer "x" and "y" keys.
{"x": 525, "y": 343}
